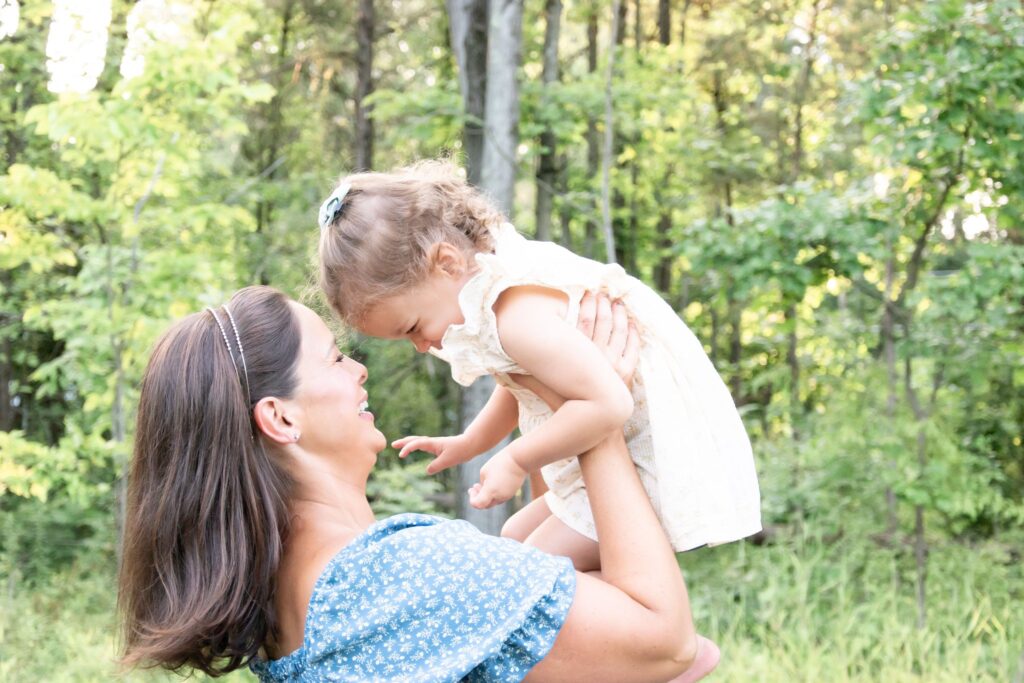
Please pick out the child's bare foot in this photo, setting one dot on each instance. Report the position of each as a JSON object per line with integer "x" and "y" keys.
{"x": 704, "y": 663}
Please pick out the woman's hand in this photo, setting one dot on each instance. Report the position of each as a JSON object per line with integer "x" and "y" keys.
{"x": 606, "y": 323}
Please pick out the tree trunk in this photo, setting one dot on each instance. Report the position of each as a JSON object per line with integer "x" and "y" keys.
{"x": 593, "y": 139}
{"x": 801, "y": 91}
{"x": 365, "y": 28}
{"x": 468, "y": 27}
{"x": 609, "y": 128}
{"x": 620, "y": 227}
{"x": 565, "y": 211}
{"x": 888, "y": 332}
{"x": 638, "y": 30}
{"x": 270, "y": 143}
{"x": 548, "y": 171}
{"x": 663, "y": 269}
{"x": 6, "y": 359}
{"x": 501, "y": 106}
{"x": 497, "y": 169}
{"x": 664, "y": 22}
{"x": 792, "y": 333}
{"x": 734, "y": 306}
{"x": 921, "y": 415}
{"x": 793, "y": 360}
{"x": 682, "y": 23}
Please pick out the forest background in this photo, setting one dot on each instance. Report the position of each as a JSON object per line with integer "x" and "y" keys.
{"x": 829, "y": 192}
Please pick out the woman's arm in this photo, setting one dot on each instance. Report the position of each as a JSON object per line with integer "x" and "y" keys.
{"x": 635, "y": 624}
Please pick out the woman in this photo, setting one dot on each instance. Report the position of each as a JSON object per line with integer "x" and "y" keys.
{"x": 249, "y": 538}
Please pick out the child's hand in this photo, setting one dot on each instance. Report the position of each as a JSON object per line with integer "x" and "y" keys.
{"x": 450, "y": 450}
{"x": 500, "y": 479}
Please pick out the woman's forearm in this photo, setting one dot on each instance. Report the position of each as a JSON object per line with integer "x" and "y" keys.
{"x": 633, "y": 625}
{"x": 635, "y": 553}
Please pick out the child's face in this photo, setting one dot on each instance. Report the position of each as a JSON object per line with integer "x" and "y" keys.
{"x": 421, "y": 314}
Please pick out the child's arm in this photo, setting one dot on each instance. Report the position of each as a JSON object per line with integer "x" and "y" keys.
{"x": 493, "y": 423}
{"x": 534, "y": 333}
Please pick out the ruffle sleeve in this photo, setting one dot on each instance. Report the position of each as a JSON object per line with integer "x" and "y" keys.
{"x": 473, "y": 348}
{"x": 420, "y": 599}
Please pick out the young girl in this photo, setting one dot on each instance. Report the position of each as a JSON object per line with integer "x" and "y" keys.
{"x": 418, "y": 254}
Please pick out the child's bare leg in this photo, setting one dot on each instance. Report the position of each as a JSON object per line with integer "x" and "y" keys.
{"x": 556, "y": 537}
{"x": 523, "y": 523}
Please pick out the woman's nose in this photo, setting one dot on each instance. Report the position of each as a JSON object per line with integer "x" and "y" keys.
{"x": 359, "y": 368}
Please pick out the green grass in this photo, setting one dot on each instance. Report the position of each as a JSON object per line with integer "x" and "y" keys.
{"x": 788, "y": 613}
{"x": 65, "y": 630}
{"x": 846, "y": 612}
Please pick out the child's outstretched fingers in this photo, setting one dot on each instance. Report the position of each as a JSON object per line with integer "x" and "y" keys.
{"x": 408, "y": 444}
{"x": 448, "y": 450}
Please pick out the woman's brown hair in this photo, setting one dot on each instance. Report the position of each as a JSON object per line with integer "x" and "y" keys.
{"x": 207, "y": 503}
{"x": 380, "y": 242}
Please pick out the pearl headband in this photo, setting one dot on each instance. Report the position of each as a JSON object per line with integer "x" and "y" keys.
{"x": 227, "y": 343}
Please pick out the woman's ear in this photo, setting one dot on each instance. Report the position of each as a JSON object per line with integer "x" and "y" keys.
{"x": 274, "y": 419}
{"x": 447, "y": 259}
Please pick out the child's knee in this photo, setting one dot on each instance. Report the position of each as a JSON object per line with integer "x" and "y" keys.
{"x": 516, "y": 528}
{"x": 523, "y": 523}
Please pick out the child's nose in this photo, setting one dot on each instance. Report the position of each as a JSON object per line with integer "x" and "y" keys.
{"x": 422, "y": 345}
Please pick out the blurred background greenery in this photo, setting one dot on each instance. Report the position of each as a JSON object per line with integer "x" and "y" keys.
{"x": 830, "y": 193}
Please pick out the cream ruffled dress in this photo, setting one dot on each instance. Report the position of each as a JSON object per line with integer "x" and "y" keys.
{"x": 685, "y": 436}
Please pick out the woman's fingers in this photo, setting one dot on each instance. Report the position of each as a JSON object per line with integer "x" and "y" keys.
{"x": 630, "y": 358}
{"x": 617, "y": 337}
{"x": 619, "y": 331}
{"x": 588, "y": 311}
{"x": 603, "y": 323}
{"x": 608, "y": 325}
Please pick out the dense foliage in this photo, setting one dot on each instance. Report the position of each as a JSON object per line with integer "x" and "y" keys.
{"x": 830, "y": 192}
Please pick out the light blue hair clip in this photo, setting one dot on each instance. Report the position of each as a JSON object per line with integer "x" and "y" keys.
{"x": 330, "y": 209}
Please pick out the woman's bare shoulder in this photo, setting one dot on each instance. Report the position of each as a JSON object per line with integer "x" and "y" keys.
{"x": 306, "y": 554}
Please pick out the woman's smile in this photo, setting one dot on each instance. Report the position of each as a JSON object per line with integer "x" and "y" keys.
{"x": 364, "y": 410}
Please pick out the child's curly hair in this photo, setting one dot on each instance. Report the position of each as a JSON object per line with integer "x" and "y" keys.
{"x": 380, "y": 242}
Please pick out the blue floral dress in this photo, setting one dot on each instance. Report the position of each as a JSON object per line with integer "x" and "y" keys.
{"x": 417, "y": 598}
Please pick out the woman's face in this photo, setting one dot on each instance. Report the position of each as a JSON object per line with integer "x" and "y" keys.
{"x": 330, "y": 396}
